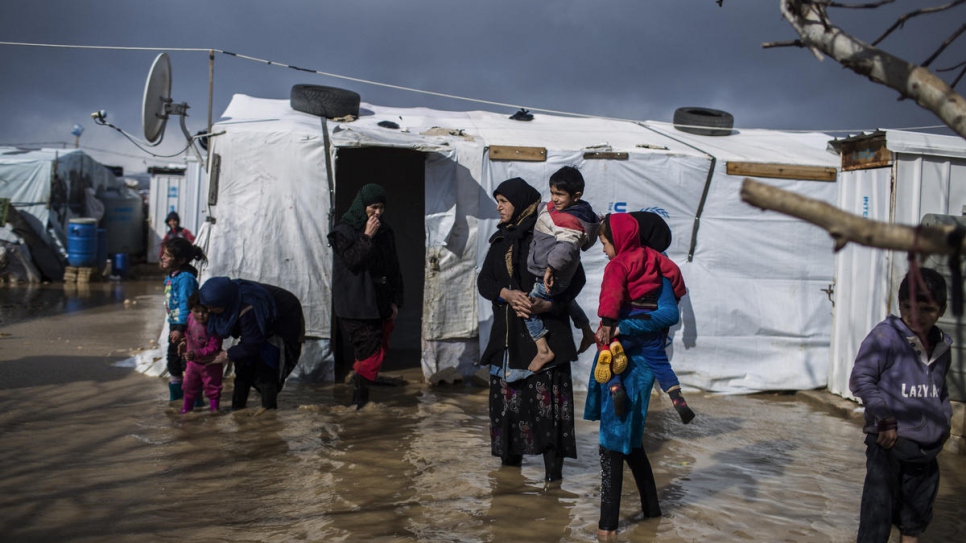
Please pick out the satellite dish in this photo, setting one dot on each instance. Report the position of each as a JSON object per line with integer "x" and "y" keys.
{"x": 157, "y": 95}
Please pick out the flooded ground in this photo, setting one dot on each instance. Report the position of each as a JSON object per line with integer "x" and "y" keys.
{"x": 92, "y": 452}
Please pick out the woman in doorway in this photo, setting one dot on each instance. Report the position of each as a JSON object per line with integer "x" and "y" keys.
{"x": 367, "y": 287}
{"x": 270, "y": 325}
{"x": 530, "y": 413}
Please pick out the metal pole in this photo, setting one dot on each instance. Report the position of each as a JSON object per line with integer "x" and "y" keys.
{"x": 211, "y": 87}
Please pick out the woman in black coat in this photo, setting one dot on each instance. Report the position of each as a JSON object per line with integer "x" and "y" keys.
{"x": 530, "y": 413}
{"x": 367, "y": 288}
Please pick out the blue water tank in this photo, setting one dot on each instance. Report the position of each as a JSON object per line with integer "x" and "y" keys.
{"x": 82, "y": 242}
{"x": 121, "y": 265}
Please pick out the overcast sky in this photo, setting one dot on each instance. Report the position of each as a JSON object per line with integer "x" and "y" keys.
{"x": 632, "y": 59}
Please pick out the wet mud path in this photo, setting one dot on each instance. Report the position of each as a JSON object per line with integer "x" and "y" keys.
{"x": 92, "y": 452}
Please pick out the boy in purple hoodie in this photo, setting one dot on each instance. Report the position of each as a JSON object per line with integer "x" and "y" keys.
{"x": 900, "y": 375}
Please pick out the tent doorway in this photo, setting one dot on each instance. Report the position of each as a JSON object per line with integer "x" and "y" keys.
{"x": 402, "y": 173}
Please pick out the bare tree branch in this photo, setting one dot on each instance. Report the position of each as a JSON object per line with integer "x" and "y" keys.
{"x": 910, "y": 80}
{"x": 845, "y": 227}
{"x": 873, "y": 5}
{"x": 793, "y": 43}
{"x": 902, "y": 20}
{"x": 958, "y": 77}
{"x": 943, "y": 47}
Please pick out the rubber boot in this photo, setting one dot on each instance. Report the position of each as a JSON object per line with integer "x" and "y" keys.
{"x": 618, "y": 396}
{"x": 687, "y": 415}
{"x": 269, "y": 395}
{"x": 188, "y": 405}
{"x": 239, "y": 397}
{"x": 214, "y": 405}
{"x": 174, "y": 391}
{"x": 360, "y": 391}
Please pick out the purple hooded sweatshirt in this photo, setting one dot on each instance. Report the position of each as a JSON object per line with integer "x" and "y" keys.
{"x": 895, "y": 377}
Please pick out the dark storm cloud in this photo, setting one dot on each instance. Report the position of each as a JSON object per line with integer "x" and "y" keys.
{"x": 620, "y": 58}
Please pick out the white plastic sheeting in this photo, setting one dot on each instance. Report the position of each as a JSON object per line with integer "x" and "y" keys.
{"x": 756, "y": 317}
{"x": 927, "y": 175}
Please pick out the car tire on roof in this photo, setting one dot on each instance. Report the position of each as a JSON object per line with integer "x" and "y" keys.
{"x": 328, "y": 102}
{"x": 703, "y": 121}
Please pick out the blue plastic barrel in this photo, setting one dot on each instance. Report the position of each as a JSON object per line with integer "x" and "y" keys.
{"x": 121, "y": 264}
{"x": 101, "y": 248}
{"x": 82, "y": 242}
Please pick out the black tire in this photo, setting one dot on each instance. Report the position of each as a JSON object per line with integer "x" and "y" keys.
{"x": 328, "y": 102}
{"x": 703, "y": 121}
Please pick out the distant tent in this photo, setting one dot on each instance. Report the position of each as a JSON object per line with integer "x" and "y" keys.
{"x": 48, "y": 187}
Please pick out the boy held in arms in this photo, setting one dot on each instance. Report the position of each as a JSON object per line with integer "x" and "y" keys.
{"x": 565, "y": 226}
{"x": 900, "y": 375}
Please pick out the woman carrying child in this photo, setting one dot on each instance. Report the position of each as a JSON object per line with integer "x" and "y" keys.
{"x": 180, "y": 282}
{"x": 271, "y": 327}
{"x": 530, "y": 413}
{"x": 199, "y": 350}
{"x": 622, "y": 426}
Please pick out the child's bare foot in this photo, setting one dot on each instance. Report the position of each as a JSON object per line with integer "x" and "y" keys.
{"x": 588, "y": 339}
{"x": 544, "y": 355}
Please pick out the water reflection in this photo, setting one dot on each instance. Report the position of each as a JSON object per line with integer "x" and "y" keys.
{"x": 20, "y": 303}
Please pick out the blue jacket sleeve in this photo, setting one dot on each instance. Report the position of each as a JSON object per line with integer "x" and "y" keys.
{"x": 664, "y": 316}
{"x": 184, "y": 285}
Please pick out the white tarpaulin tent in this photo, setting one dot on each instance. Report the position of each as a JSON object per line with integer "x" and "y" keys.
{"x": 756, "y": 317}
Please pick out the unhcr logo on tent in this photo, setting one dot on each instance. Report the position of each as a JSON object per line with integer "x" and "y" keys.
{"x": 622, "y": 207}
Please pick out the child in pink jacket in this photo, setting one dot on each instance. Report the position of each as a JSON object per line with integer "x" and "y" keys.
{"x": 200, "y": 348}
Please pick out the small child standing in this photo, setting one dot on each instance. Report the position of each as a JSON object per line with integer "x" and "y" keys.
{"x": 900, "y": 376}
{"x": 630, "y": 287}
{"x": 565, "y": 226}
{"x": 180, "y": 282}
{"x": 199, "y": 349}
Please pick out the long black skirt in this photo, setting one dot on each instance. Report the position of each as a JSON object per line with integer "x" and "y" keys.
{"x": 533, "y": 415}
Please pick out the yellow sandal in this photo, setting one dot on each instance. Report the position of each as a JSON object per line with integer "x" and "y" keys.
{"x": 602, "y": 368}
{"x": 619, "y": 363}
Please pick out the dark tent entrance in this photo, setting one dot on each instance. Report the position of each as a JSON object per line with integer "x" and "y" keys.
{"x": 402, "y": 173}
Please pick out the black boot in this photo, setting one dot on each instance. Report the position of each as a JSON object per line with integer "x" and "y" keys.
{"x": 553, "y": 466}
{"x": 239, "y": 397}
{"x": 269, "y": 395}
{"x": 360, "y": 391}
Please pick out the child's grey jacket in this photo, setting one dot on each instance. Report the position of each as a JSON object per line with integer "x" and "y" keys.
{"x": 895, "y": 378}
{"x": 558, "y": 238}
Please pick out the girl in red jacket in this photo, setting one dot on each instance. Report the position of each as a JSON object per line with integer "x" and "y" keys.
{"x": 630, "y": 289}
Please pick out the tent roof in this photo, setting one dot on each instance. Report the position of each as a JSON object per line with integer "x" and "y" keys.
{"x": 16, "y": 155}
{"x": 428, "y": 128}
{"x": 915, "y": 143}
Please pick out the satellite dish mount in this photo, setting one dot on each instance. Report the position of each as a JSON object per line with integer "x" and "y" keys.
{"x": 158, "y": 105}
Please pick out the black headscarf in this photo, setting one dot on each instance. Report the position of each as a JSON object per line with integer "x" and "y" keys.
{"x": 525, "y": 200}
{"x": 655, "y": 233}
{"x": 369, "y": 194}
{"x": 232, "y": 295}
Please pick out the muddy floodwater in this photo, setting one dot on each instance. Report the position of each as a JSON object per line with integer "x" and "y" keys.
{"x": 91, "y": 452}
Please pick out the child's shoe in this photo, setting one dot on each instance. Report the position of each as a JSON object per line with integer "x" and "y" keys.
{"x": 214, "y": 405}
{"x": 618, "y": 396}
{"x": 174, "y": 391}
{"x": 619, "y": 363}
{"x": 680, "y": 404}
{"x": 188, "y": 405}
{"x": 602, "y": 368}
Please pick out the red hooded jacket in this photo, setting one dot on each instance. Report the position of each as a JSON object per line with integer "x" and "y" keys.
{"x": 635, "y": 271}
